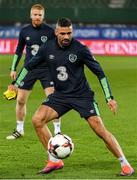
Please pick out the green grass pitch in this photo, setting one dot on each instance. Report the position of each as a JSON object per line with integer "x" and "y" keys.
{"x": 23, "y": 158}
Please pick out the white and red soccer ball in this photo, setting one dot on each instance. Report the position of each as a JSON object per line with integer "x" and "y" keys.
{"x": 60, "y": 146}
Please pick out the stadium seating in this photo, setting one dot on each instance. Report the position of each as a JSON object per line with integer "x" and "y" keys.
{"x": 55, "y": 3}
{"x": 91, "y": 11}
{"x": 69, "y": 3}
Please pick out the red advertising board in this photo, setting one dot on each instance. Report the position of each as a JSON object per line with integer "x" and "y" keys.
{"x": 98, "y": 47}
{"x": 112, "y": 47}
{"x": 8, "y": 46}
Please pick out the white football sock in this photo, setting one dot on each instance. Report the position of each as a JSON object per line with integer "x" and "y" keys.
{"x": 57, "y": 128}
{"x": 20, "y": 126}
{"x": 123, "y": 161}
{"x": 51, "y": 158}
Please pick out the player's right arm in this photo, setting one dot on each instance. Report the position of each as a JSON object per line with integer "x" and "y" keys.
{"x": 35, "y": 60}
{"x": 17, "y": 55}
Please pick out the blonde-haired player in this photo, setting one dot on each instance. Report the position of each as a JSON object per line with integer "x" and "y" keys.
{"x": 32, "y": 36}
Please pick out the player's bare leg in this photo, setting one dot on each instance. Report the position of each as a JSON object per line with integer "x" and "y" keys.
{"x": 56, "y": 121}
{"x": 112, "y": 144}
{"x": 20, "y": 114}
{"x": 40, "y": 119}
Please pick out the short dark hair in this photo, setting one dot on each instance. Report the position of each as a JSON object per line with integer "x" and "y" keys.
{"x": 64, "y": 22}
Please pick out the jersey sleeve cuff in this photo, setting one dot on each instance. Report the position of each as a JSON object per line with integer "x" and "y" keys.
{"x": 109, "y": 98}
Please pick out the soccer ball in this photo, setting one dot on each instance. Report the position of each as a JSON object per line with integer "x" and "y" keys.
{"x": 60, "y": 146}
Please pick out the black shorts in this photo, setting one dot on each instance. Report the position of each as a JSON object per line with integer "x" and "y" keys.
{"x": 37, "y": 74}
{"x": 86, "y": 106}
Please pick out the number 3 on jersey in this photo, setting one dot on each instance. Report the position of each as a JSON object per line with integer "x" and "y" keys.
{"x": 62, "y": 75}
{"x": 35, "y": 49}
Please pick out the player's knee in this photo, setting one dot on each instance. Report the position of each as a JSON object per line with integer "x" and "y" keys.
{"x": 98, "y": 126}
{"x": 95, "y": 122}
{"x": 21, "y": 101}
{"x": 37, "y": 122}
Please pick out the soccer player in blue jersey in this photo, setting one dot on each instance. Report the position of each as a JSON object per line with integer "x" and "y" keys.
{"x": 66, "y": 58}
{"x": 32, "y": 36}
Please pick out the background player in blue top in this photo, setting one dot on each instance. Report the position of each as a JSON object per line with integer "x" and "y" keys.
{"x": 66, "y": 58}
{"x": 32, "y": 36}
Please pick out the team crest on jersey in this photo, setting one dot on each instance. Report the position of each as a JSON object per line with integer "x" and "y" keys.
{"x": 27, "y": 38}
{"x": 44, "y": 39}
{"x": 72, "y": 58}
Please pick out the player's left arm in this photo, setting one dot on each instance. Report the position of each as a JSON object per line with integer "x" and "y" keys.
{"x": 95, "y": 67}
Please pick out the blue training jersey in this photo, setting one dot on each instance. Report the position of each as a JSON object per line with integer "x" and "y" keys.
{"x": 32, "y": 38}
{"x": 66, "y": 66}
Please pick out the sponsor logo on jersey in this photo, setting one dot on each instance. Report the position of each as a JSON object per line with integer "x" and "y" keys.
{"x": 72, "y": 58}
{"x": 44, "y": 39}
{"x": 51, "y": 56}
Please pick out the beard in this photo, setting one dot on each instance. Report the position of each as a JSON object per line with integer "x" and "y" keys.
{"x": 37, "y": 23}
{"x": 65, "y": 42}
